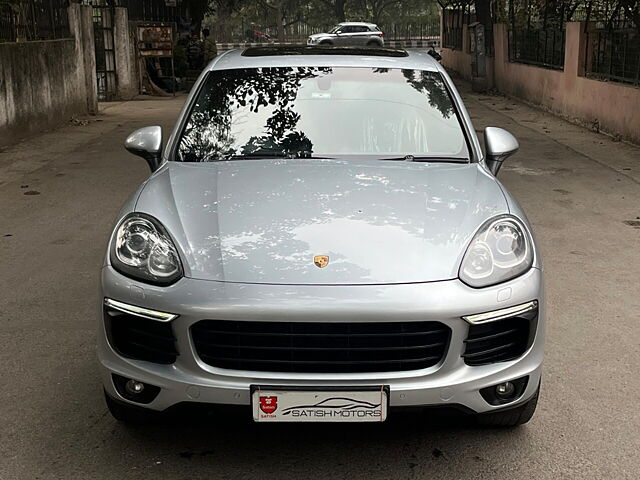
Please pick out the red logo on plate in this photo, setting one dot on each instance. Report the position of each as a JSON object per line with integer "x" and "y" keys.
{"x": 268, "y": 404}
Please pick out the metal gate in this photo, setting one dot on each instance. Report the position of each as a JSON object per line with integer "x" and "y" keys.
{"x": 105, "y": 51}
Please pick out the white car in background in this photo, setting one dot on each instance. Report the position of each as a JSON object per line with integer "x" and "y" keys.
{"x": 350, "y": 34}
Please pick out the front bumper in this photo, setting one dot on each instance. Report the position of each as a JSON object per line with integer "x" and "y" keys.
{"x": 451, "y": 382}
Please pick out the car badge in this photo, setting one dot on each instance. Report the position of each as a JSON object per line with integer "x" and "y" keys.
{"x": 268, "y": 404}
{"x": 321, "y": 261}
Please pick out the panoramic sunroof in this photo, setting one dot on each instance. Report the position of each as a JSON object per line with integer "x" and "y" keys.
{"x": 278, "y": 50}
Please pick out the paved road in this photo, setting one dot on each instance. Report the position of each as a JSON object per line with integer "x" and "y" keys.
{"x": 59, "y": 194}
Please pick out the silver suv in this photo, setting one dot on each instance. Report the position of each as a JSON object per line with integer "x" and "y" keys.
{"x": 350, "y": 34}
{"x": 322, "y": 239}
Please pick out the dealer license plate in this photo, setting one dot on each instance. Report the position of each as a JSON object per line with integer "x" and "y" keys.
{"x": 272, "y": 404}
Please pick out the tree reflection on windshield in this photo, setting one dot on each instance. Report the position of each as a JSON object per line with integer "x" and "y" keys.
{"x": 296, "y": 112}
{"x": 432, "y": 85}
{"x": 281, "y": 136}
{"x": 207, "y": 135}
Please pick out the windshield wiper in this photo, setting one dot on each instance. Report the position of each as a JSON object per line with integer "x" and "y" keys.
{"x": 267, "y": 155}
{"x": 413, "y": 158}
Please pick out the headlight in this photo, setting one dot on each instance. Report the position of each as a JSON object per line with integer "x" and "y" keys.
{"x": 142, "y": 248}
{"x": 500, "y": 251}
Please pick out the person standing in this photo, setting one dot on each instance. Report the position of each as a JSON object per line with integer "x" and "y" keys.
{"x": 194, "y": 52}
{"x": 210, "y": 47}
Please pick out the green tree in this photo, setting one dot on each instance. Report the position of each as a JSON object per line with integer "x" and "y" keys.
{"x": 224, "y": 11}
{"x": 286, "y": 12}
{"x": 632, "y": 10}
{"x": 380, "y": 7}
{"x": 386, "y": 12}
{"x": 197, "y": 10}
{"x": 337, "y": 8}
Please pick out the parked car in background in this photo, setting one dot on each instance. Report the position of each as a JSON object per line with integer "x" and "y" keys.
{"x": 254, "y": 35}
{"x": 350, "y": 34}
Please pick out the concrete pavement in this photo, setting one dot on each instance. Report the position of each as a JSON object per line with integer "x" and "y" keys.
{"x": 59, "y": 195}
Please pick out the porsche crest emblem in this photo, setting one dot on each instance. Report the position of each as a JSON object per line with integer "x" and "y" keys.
{"x": 321, "y": 261}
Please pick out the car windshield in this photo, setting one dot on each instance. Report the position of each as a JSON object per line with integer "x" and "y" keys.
{"x": 323, "y": 112}
{"x": 335, "y": 29}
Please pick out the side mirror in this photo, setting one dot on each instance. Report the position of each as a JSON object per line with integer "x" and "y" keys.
{"x": 146, "y": 143}
{"x": 434, "y": 54}
{"x": 499, "y": 144}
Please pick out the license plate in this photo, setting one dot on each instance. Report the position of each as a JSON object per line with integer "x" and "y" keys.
{"x": 275, "y": 404}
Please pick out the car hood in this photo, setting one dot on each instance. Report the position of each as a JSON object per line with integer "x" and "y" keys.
{"x": 264, "y": 221}
{"x": 318, "y": 35}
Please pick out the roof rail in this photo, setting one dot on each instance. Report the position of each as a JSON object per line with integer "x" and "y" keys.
{"x": 278, "y": 50}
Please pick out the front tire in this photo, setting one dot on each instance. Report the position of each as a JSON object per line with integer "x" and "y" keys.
{"x": 512, "y": 417}
{"x": 130, "y": 414}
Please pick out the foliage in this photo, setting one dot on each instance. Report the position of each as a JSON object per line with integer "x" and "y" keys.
{"x": 318, "y": 14}
{"x": 553, "y": 13}
{"x": 239, "y": 93}
{"x": 207, "y": 135}
{"x": 550, "y": 13}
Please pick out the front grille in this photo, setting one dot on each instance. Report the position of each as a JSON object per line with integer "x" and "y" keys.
{"x": 140, "y": 338}
{"x": 320, "y": 347}
{"x": 499, "y": 341}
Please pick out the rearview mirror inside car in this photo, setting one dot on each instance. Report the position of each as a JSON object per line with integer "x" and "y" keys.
{"x": 499, "y": 144}
{"x": 146, "y": 143}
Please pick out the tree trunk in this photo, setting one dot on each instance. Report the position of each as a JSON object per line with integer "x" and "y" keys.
{"x": 340, "y": 15}
{"x": 223, "y": 27}
{"x": 280, "y": 20}
{"x": 483, "y": 12}
{"x": 379, "y": 8}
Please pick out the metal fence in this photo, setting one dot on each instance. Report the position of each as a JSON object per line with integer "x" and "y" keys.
{"x": 452, "y": 38}
{"x": 7, "y": 25}
{"x": 613, "y": 55}
{"x": 145, "y": 10}
{"x": 300, "y": 31}
{"x": 30, "y": 20}
{"x": 540, "y": 47}
{"x": 249, "y": 31}
{"x": 453, "y": 20}
{"x": 103, "y": 30}
{"x": 411, "y": 31}
{"x": 154, "y": 10}
{"x": 489, "y": 48}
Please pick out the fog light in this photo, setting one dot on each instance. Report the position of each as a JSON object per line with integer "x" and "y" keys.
{"x": 135, "y": 390}
{"x": 133, "y": 387}
{"x": 505, "y": 390}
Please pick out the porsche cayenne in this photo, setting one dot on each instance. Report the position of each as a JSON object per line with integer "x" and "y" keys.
{"x": 322, "y": 239}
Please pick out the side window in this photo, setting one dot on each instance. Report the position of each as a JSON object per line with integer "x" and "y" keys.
{"x": 360, "y": 29}
{"x": 346, "y": 29}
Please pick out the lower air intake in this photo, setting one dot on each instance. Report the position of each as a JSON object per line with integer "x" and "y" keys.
{"x": 140, "y": 338}
{"x": 499, "y": 341}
